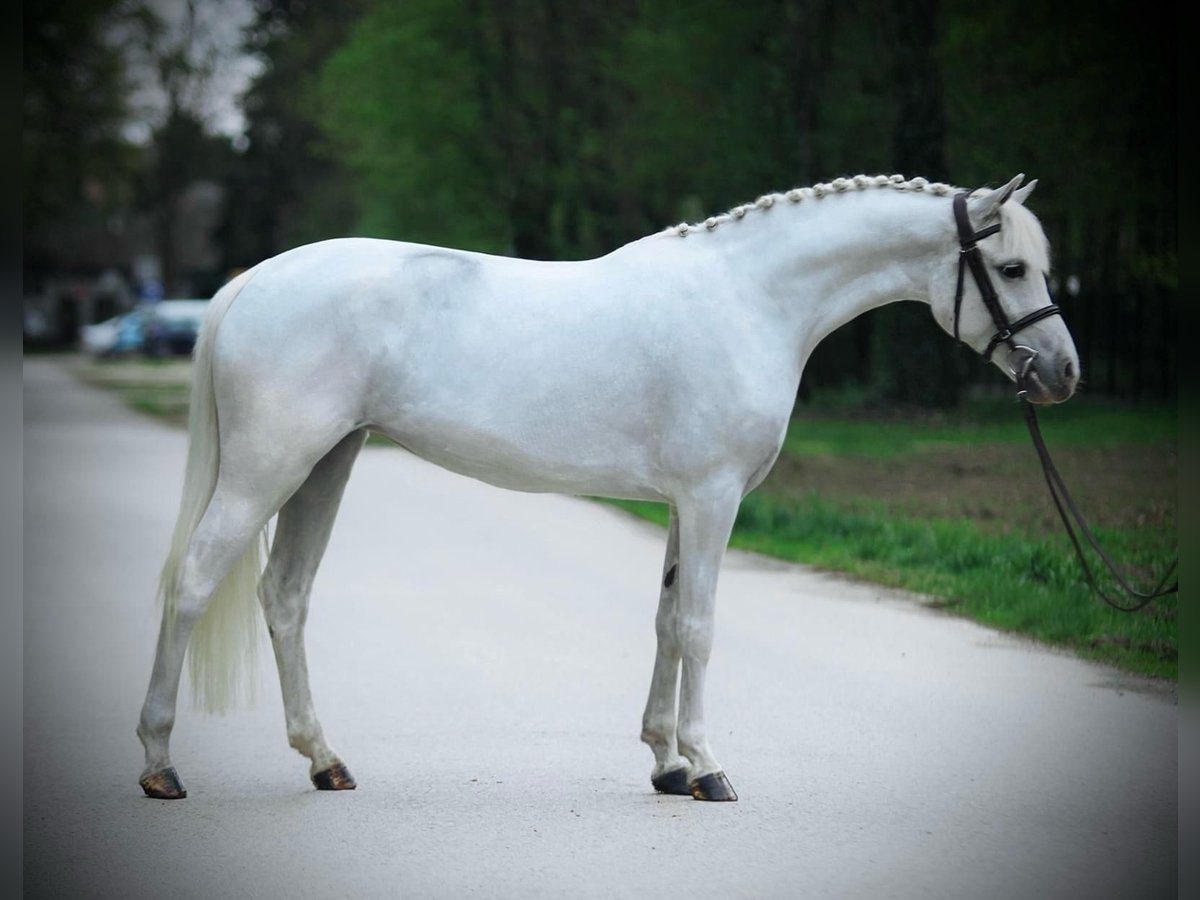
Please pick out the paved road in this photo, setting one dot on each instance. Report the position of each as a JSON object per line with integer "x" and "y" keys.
{"x": 480, "y": 659}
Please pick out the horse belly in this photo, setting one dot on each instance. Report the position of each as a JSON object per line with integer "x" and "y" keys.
{"x": 546, "y": 461}
{"x": 576, "y": 410}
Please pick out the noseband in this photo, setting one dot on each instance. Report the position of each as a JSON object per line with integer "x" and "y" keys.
{"x": 1021, "y": 357}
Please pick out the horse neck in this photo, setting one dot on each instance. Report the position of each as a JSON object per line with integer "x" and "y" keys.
{"x": 822, "y": 262}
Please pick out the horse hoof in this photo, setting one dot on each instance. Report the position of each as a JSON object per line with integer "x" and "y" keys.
{"x": 713, "y": 786}
{"x": 672, "y": 782}
{"x": 163, "y": 785}
{"x": 336, "y": 778}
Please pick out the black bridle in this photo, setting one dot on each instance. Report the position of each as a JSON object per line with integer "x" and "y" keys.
{"x": 1020, "y": 361}
{"x": 970, "y": 257}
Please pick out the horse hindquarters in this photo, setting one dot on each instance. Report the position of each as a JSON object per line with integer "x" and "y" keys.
{"x": 237, "y": 477}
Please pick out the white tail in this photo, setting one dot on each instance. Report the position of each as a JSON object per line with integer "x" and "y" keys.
{"x": 224, "y": 640}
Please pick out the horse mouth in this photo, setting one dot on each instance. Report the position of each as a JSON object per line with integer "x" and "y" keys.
{"x": 1039, "y": 381}
{"x": 1036, "y": 390}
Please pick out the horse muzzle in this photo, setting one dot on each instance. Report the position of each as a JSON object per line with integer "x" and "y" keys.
{"x": 1041, "y": 379}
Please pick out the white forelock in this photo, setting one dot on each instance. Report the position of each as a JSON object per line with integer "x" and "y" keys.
{"x": 1022, "y": 236}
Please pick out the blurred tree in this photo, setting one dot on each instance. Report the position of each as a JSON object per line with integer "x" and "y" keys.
{"x": 490, "y": 129}
{"x": 181, "y": 152}
{"x": 544, "y": 94}
{"x": 182, "y": 57}
{"x": 399, "y": 103}
{"x": 1082, "y": 96}
{"x": 284, "y": 188}
{"x": 718, "y": 103}
{"x": 488, "y": 134}
{"x": 76, "y": 164}
{"x": 915, "y": 364}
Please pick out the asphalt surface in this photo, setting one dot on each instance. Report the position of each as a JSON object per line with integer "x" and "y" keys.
{"x": 480, "y": 659}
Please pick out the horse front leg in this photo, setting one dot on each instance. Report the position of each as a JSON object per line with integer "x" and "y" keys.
{"x": 705, "y": 526}
{"x": 670, "y": 775}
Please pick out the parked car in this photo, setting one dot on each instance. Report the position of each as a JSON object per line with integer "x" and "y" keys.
{"x": 116, "y": 336}
{"x": 172, "y": 327}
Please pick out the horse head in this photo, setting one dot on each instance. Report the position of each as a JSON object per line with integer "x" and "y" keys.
{"x": 995, "y": 297}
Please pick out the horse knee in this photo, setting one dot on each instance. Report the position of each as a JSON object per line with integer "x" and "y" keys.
{"x": 695, "y": 637}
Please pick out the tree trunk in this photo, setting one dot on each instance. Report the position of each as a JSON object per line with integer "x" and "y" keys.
{"x": 918, "y": 365}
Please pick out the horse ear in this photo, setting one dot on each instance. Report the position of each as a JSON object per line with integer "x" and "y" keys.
{"x": 1020, "y": 195}
{"x": 986, "y": 206}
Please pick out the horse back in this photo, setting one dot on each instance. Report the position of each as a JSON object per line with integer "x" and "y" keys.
{"x": 601, "y": 376}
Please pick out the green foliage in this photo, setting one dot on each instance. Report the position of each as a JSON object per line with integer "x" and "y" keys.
{"x": 398, "y": 102}
{"x": 484, "y": 134}
{"x": 1031, "y": 586}
{"x": 1080, "y": 423}
{"x": 288, "y": 187}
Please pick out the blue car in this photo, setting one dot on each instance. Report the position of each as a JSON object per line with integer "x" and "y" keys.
{"x": 172, "y": 326}
{"x": 118, "y": 336}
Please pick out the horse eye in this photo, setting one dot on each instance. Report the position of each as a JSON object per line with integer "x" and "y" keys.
{"x": 1013, "y": 270}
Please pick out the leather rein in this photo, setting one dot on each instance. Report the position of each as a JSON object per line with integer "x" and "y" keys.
{"x": 1020, "y": 361}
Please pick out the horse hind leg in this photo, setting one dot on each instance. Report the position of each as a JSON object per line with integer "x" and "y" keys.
{"x": 301, "y": 536}
{"x": 229, "y": 526}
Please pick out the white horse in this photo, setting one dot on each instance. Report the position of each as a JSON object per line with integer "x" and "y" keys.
{"x": 664, "y": 371}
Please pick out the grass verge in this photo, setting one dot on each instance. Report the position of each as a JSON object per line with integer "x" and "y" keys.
{"x": 160, "y": 388}
{"x": 1031, "y": 586}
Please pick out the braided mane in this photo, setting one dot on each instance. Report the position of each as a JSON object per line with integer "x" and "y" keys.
{"x": 1022, "y": 236}
{"x": 816, "y": 192}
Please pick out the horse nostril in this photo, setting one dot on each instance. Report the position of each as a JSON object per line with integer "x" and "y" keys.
{"x": 1069, "y": 371}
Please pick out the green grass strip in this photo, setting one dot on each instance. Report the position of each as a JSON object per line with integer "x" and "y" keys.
{"x": 1080, "y": 423}
{"x": 1028, "y": 586}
